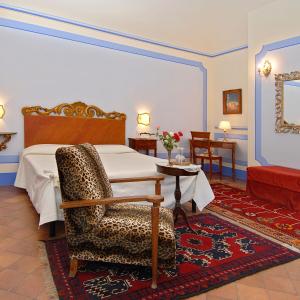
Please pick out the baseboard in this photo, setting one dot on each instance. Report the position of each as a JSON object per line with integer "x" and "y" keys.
{"x": 7, "y": 178}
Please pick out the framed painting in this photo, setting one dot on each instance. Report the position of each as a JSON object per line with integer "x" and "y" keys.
{"x": 232, "y": 102}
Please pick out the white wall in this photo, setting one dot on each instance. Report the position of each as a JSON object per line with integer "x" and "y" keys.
{"x": 229, "y": 72}
{"x": 272, "y": 23}
{"x": 171, "y": 92}
{"x": 47, "y": 71}
{"x": 179, "y": 107}
{"x": 278, "y": 148}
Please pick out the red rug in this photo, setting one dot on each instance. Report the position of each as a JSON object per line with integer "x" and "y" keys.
{"x": 219, "y": 253}
{"x": 271, "y": 219}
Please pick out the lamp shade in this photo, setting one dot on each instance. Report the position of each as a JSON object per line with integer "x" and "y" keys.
{"x": 143, "y": 119}
{"x": 225, "y": 125}
{"x": 2, "y": 111}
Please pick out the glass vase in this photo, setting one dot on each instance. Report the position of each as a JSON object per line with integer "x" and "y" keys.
{"x": 169, "y": 157}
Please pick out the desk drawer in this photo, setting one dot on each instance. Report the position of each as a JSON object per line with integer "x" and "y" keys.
{"x": 144, "y": 144}
{"x": 221, "y": 144}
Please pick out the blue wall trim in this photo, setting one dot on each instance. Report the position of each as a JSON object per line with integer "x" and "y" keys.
{"x": 242, "y": 128}
{"x": 239, "y": 128}
{"x": 237, "y": 162}
{"x": 258, "y": 93}
{"x": 7, "y": 178}
{"x": 96, "y": 42}
{"x": 7, "y": 159}
{"x": 118, "y": 33}
{"x": 227, "y": 171}
{"x": 234, "y": 136}
{"x": 187, "y": 155}
{"x": 114, "y": 46}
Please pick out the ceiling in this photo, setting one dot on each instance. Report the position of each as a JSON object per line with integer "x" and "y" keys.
{"x": 202, "y": 25}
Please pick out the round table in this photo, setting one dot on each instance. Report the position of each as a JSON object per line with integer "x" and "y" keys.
{"x": 177, "y": 172}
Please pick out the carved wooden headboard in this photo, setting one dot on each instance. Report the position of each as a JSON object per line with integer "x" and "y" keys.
{"x": 73, "y": 123}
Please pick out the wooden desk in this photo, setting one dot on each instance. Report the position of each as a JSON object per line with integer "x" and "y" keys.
{"x": 219, "y": 144}
{"x": 143, "y": 144}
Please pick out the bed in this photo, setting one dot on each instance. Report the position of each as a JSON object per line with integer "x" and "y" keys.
{"x": 45, "y": 130}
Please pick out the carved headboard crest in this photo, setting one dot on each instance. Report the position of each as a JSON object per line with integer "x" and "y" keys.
{"x": 76, "y": 109}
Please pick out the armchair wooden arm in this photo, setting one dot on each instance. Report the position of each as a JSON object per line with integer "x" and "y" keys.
{"x": 157, "y": 180}
{"x": 135, "y": 179}
{"x": 154, "y": 199}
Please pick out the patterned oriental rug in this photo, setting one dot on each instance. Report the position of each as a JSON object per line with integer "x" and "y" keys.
{"x": 219, "y": 253}
{"x": 270, "y": 219}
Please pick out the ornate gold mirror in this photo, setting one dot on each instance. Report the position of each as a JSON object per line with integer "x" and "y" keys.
{"x": 287, "y": 87}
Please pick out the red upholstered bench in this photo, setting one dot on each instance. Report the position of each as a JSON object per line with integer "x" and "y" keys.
{"x": 276, "y": 184}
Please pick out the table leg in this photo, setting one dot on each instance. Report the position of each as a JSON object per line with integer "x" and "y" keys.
{"x": 233, "y": 161}
{"x": 52, "y": 229}
{"x": 178, "y": 210}
{"x": 194, "y": 207}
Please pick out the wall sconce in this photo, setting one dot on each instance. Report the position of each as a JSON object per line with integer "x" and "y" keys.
{"x": 266, "y": 68}
{"x": 143, "y": 119}
{"x": 225, "y": 125}
{"x": 2, "y": 111}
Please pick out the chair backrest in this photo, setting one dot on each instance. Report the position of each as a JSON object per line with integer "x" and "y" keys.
{"x": 200, "y": 135}
{"x": 82, "y": 176}
{"x": 200, "y": 140}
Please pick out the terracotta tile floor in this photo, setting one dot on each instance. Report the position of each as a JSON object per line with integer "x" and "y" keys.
{"x": 22, "y": 273}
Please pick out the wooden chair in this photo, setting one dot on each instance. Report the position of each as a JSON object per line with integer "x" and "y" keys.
{"x": 201, "y": 140}
{"x": 99, "y": 227}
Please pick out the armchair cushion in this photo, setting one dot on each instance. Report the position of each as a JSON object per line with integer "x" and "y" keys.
{"x": 82, "y": 176}
{"x": 124, "y": 236}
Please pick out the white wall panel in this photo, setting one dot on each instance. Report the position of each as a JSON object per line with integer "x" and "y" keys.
{"x": 278, "y": 148}
{"x": 43, "y": 70}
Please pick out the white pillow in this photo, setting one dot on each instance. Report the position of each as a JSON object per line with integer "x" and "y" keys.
{"x": 40, "y": 149}
{"x": 113, "y": 149}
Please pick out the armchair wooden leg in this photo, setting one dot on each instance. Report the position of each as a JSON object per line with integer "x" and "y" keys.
{"x": 73, "y": 267}
{"x": 154, "y": 221}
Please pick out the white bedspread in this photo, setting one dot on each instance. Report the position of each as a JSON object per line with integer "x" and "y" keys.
{"x": 38, "y": 174}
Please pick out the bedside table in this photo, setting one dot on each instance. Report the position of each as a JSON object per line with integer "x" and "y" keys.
{"x": 143, "y": 144}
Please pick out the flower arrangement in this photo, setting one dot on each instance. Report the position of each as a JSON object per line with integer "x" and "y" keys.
{"x": 169, "y": 140}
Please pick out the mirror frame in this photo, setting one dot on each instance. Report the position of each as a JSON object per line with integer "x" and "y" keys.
{"x": 280, "y": 125}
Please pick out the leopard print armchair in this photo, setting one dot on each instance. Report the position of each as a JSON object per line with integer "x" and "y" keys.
{"x": 100, "y": 227}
